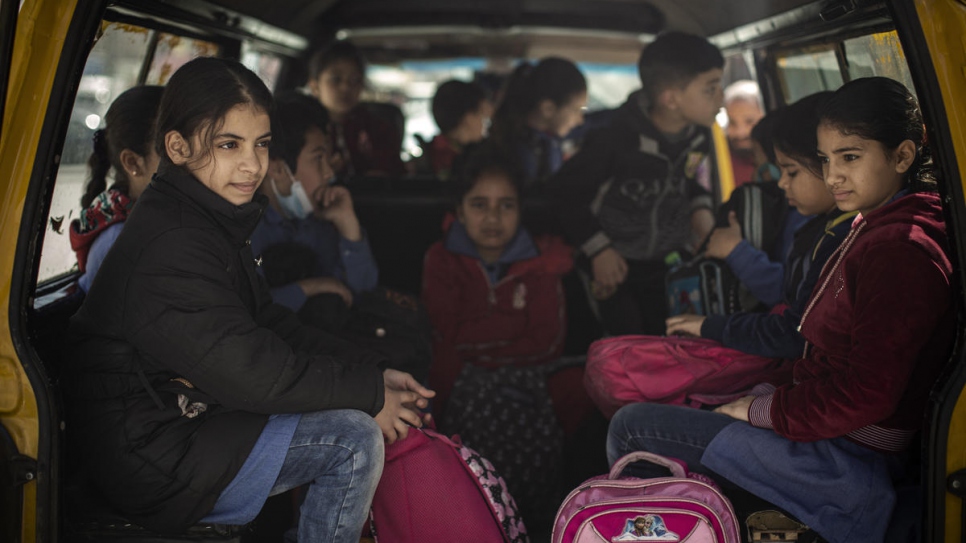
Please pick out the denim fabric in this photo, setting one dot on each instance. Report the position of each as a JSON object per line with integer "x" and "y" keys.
{"x": 340, "y": 454}
{"x": 668, "y": 430}
{"x": 842, "y": 490}
{"x": 243, "y": 498}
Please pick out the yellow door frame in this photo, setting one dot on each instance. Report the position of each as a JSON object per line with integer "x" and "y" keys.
{"x": 42, "y": 27}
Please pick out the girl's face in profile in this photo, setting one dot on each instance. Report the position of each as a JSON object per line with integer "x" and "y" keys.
{"x": 490, "y": 211}
{"x": 238, "y": 156}
{"x": 339, "y": 87}
{"x": 805, "y": 191}
{"x": 862, "y": 174}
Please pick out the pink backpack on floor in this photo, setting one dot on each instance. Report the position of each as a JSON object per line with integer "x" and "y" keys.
{"x": 685, "y": 507}
{"x": 670, "y": 370}
{"x": 433, "y": 489}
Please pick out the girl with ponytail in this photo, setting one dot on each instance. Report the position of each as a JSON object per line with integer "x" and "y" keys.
{"x": 124, "y": 146}
{"x": 541, "y": 104}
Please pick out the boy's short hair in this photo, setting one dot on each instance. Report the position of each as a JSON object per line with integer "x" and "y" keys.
{"x": 453, "y": 100}
{"x": 674, "y": 59}
{"x": 295, "y": 114}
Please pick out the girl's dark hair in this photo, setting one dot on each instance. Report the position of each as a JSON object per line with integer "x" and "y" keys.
{"x": 201, "y": 93}
{"x": 295, "y": 114}
{"x": 553, "y": 78}
{"x": 129, "y": 125}
{"x": 883, "y": 110}
{"x": 674, "y": 59}
{"x": 763, "y": 133}
{"x": 453, "y": 100}
{"x": 335, "y": 51}
{"x": 795, "y": 131}
{"x": 479, "y": 160}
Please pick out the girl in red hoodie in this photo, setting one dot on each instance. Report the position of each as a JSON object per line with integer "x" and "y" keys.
{"x": 827, "y": 443}
{"x": 493, "y": 293}
{"x": 492, "y": 290}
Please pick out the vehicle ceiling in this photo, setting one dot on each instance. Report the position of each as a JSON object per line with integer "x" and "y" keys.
{"x": 509, "y": 28}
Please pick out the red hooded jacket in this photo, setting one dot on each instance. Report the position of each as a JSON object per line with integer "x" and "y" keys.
{"x": 519, "y": 320}
{"x": 880, "y": 326}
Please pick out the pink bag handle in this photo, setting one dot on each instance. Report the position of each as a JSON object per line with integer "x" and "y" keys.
{"x": 676, "y": 468}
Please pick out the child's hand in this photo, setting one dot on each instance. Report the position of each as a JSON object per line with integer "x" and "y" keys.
{"x": 610, "y": 268}
{"x": 321, "y": 285}
{"x": 737, "y": 409}
{"x": 396, "y": 416}
{"x": 689, "y": 325}
{"x": 412, "y": 397}
{"x": 400, "y": 380}
{"x": 335, "y": 204}
{"x": 724, "y": 240}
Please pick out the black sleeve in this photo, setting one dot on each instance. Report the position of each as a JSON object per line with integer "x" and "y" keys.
{"x": 575, "y": 186}
{"x": 182, "y": 313}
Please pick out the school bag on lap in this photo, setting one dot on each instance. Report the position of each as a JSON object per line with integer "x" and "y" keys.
{"x": 671, "y": 370}
{"x": 435, "y": 490}
{"x": 684, "y": 507}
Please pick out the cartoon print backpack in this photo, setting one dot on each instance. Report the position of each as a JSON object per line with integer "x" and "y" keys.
{"x": 435, "y": 490}
{"x": 685, "y": 507}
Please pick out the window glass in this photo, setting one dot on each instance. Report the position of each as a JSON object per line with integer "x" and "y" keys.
{"x": 266, "y": 65}
{"x": 878, "y": 54}
{"x": 174, "y": 51}
{"x": 112, "y": 67}
{"x": 807, "y": 71}
{"x": 411, "y": 86}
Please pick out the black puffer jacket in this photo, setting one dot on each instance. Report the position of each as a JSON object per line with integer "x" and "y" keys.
{"x": 178, "y": 297}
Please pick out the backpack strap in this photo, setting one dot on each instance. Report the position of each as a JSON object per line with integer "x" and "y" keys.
{"x": 677, "y": 470}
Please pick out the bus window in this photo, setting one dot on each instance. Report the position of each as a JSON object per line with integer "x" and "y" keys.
{"x": 266, "y": 65}
{"x": 112, "y": 67}
{"x": 878, "y": 54}
{"x": 172, "y": 52}
{"x": 807, "y": 71}
{"x": 115, "y": 64}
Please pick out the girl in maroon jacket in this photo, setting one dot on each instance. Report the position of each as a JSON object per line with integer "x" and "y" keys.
{"x": 827, "y": 444}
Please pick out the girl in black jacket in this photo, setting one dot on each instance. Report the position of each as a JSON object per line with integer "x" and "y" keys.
{"x": 194, "y": 397}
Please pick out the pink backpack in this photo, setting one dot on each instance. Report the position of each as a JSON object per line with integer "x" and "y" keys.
{"x": 685, "y": 507}
{"x": 670, "y": 370}
{"x": 433, "y": 489}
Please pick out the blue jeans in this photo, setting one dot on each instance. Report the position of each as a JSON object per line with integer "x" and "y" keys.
{"x": 340, "y": 455}
{"x": 337, "y": 454}
{"x": 667, "y": 430}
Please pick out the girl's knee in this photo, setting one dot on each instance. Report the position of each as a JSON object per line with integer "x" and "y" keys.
{"x": 362, "y": 435}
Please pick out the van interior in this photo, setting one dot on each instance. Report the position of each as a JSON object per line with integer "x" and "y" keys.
{"x": 792, "y": 48}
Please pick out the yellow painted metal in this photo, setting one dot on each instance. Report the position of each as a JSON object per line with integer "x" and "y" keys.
{"x": 726, "y": 175}
{"x": 39, "y": 40}
{"x": 944, "y": 26}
